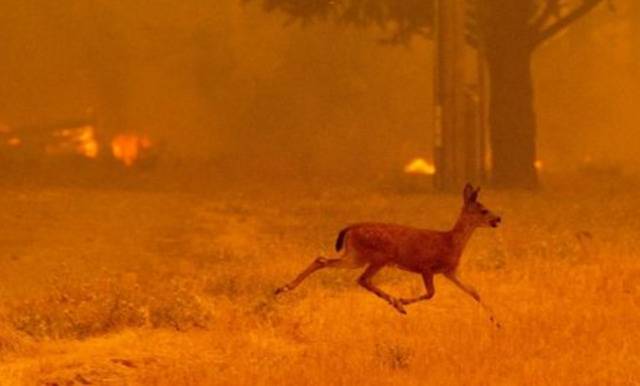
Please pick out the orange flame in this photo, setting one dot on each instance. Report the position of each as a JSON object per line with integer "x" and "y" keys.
{"x": 79, "y": 140}
{"x": 86, "y": 142}
{"x": 127, "y": 147}
{"x": 538, "y": 164}
{"x": 420, "y": 166}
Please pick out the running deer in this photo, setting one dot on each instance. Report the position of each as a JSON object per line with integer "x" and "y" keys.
{"x": 426, "y": 252}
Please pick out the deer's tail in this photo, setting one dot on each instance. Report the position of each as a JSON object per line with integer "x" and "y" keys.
{"x": 340, "y": 239}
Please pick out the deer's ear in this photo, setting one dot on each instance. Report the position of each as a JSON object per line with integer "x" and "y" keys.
{"x": 468, "y": 192}
{"x": 474, "y": 195}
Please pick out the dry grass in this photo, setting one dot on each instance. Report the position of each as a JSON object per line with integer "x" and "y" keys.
{"x": 170, "y": 289}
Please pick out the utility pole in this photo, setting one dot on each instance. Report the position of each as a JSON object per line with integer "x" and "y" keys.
{"x": 460, "y": 139}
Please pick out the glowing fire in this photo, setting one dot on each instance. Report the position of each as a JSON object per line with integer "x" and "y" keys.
{"x": 86, "y": 142}
{"x": 538, "y": 164}
{"x": 128, "y": 147}
{"x": 79, "y": 140}
{"x": 420, "y": 166}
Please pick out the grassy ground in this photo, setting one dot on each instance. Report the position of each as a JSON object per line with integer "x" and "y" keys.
{"x": 163, "y": 288}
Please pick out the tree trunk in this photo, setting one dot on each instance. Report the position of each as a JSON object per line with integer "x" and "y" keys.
{"x": 512, "y": 118}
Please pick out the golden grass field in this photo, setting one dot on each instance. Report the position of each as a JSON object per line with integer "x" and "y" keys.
{"x": 136, "y": 287}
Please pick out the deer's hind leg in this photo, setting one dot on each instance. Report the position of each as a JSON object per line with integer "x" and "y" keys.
{"x": 365, "y": 281}
{"x": 427, "y": 277}
{"x": 318, "y": 263}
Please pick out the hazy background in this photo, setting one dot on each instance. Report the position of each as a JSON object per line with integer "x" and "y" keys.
{"x": 222, "y": 80}
{"x": 166, "y": 276}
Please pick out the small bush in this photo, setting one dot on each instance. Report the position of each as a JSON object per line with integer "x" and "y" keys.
{"x": 394, "y": 356}
{"x": 112, "y": 303}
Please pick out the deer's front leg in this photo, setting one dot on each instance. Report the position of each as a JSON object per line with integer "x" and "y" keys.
{"x": 427, "y": 278}
{"x": 473, "y": 293}
{"x": 365, "y": 281}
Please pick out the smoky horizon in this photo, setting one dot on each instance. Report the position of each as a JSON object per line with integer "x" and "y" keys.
{"x": 228, "y": 82}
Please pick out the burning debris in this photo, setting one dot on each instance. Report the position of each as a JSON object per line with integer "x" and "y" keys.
{"x": 77, "y": 138}
{"x": 420, "y": 166}
{"x": 417, "y": 176}
{"x": 80, "y": 140}
{"x": 128, "y": 148}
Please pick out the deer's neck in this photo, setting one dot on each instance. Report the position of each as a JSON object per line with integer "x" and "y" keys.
{"x": 460, "y": 234}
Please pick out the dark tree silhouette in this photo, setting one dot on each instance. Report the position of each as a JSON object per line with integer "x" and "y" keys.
{"x": 507, "y": 32}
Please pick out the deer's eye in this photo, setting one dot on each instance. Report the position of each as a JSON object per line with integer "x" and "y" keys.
{"x": 484, "y": 211}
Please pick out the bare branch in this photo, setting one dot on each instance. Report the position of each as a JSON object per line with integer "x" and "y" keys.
{"x": 565, "y": 21}
{"x": 550, "y": 8}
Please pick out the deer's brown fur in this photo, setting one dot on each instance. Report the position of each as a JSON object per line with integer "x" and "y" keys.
{"x": 426, "y": 252}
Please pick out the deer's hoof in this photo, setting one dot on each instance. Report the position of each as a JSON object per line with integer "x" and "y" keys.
{"x": 400, "y": 309}
{"x": 397, "y": 304}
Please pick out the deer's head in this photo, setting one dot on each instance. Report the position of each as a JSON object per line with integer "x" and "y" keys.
{"x": 474, "y": 212}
